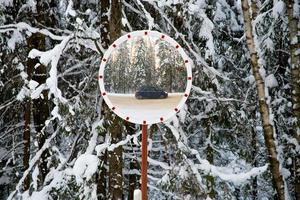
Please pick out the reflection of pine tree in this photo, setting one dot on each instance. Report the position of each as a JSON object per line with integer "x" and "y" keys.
{"x": 123, "y": 62}
{"x": 180, "y": 74}
{"x": 116, "y": 79}
{"x": 139, "y": 64}
{"x": 172, "y": 70}
{"x": 150, "y": 62}
{"x": 108, "y": 78}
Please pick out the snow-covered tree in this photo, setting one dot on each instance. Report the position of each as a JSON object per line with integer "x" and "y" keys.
{"x": 59, "y": 140}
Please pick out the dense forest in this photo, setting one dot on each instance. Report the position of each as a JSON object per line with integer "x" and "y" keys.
{"x": 237, "y": 136}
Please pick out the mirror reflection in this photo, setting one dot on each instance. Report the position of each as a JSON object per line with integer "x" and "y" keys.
{"x": 145, "y": 74}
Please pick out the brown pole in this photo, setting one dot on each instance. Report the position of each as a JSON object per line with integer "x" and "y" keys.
{"x": 144, "y": 161}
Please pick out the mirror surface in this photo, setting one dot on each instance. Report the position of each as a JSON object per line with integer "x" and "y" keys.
{"x": 145, "y": 78}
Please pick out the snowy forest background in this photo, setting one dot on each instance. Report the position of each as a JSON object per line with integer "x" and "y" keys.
{"x": 237, "y": 137}
{"x": 143, "y": 61}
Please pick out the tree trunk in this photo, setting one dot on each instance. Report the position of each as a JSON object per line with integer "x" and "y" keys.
{"x": 35, "y": 41}
{"x": 295, "y": 78}
{"x": 27, "y": 119}
{"x": 254, "y": 160}
{"x": 104, "y": 28}
{"x": 115, "y": 160}
{"x": 40, "y": 114}
{"x": 263, "y": 106}
{"x": 40, "y": 108}
{"x": 133, "y": 165}
{"x": 115, "y": 24}
{"x": 210, "y": 157}
{"x": 26, "y": 140}
{"x": 115, "y": 157}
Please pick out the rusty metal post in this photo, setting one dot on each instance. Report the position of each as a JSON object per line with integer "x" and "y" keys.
{"x": 144, "y": 161}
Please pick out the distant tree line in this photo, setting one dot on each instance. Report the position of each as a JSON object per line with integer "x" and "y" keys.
{"x": 145, "y": 61}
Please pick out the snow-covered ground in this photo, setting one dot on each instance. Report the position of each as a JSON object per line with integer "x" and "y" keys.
{"x": 145, "y": 109}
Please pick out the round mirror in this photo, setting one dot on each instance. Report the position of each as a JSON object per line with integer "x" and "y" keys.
{"x": 145, "y": 77}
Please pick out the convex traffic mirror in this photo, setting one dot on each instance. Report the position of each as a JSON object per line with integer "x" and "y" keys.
{"x": 145, "y": 77}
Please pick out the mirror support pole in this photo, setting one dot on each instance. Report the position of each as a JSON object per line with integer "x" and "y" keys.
{"x": 144, "y": 161}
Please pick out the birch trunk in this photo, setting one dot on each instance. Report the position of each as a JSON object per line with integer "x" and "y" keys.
{"x": 293, "y": 21}
{"x": 263, "y": 106}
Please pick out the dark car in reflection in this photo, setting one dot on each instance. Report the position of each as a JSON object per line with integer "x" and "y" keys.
{"x": 150, "y": 92}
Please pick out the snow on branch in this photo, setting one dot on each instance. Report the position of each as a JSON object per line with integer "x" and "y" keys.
{"x": 7, "y": 103}
{"x": 199, "y": 59}
{"x": 224, "y": 173}
{"x": 209, "y": 96}
{"x": 239, "y": 178}
{"x": 22, "y": 26}
{"x": 85, "y": 167}
{"x": 148, "y": 16}
{"x": 93, "y": 140}
{"x": 32, "y": 163}
{"x": 110, "y": 147}
{"x": 52, "y": 56}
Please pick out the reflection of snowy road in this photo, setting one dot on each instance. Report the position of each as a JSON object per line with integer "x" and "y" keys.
{"x": 145, "y": 109}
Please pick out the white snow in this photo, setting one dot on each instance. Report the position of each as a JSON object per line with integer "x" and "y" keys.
{"x": 147, "y": 15}
{"x": 70, "y": 11}
{"x": 219, "y": 14}
{"x": 32, "y": 4}
{"x": 278, "y": 9}
{"x": 145, "y": 109}
{"x": 268, "y": 44}
{"x": 24, "y": 92}
{"x": 85, "y": 167}
{"x": 6, "y": 2}
{"x": 137, "y": 194}
{"x": 101, "y": 148}
{"x": 163, "y": 3}
{"x": 34, "y": 176}
{"x": 20, "y": 66}
{"x": 95, "y": 133}
{"x": 55, "y": 113}
{"x": 15, "y": 39}
{"x": 24, "y": 75}
{"x": 271, "y": 81}
{"x": 52, "y": 56}
{"x": 183, "y": 173}
{"x": 79, "y": 21}
{"x": 164, "y": 180}
{"x": 262, "y": 72}
{"x": 111, "y": 147}
{"x": 296, "y": 8}
{"x": 36, "y": 93}
{"x": 32, "y": 84}
{"x": 239, "y": 178}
